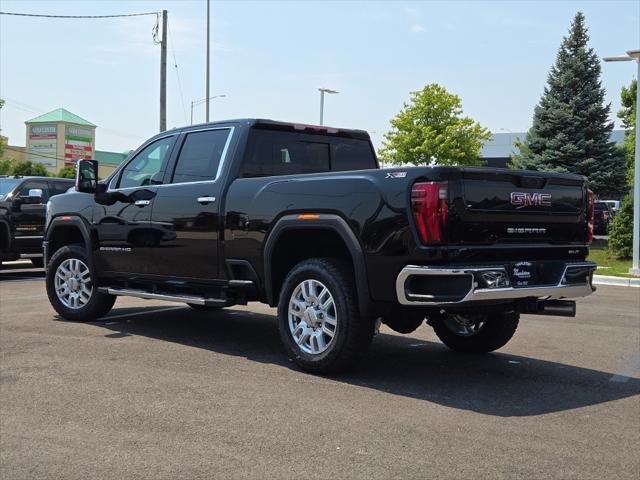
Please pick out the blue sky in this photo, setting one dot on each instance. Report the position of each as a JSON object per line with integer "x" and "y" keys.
{"x": 269, "y": 58}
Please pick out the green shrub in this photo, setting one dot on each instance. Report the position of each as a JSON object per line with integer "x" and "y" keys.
{"x": 621, "y": 233}
{"x": 29, "y": 168}
{"x": 67, "y": 172}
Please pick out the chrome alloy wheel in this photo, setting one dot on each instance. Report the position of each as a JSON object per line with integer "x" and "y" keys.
{"x": 73, "y": 283}
{"x": 313, "y": 317}
{"x": 464, "y": 326}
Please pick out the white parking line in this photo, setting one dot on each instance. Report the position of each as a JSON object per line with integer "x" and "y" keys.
{"x": 633, "y": 368}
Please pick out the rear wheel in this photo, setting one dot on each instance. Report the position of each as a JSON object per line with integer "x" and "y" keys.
{"x": 72, "y": 286}
{"x": 318, "y": 319}
{"x": 480, "y": 333}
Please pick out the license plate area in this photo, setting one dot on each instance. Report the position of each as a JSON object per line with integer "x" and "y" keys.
{"x": 523, "y": 274}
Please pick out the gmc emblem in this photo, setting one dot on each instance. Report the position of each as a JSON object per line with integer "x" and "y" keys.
{"x": 522, "y": 199}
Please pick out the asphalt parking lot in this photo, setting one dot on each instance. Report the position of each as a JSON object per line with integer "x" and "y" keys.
{"x": 158, "y": 391}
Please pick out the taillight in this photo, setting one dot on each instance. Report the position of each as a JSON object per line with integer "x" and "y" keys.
{"x": 429, "y": 205}
{"x": 590, "y": 215}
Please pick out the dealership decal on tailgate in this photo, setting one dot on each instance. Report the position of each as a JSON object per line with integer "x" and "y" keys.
{"x": 522, "y": 274}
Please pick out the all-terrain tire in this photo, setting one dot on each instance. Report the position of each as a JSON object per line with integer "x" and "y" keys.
{"x": 98, "y": 304}
{"x": 495, "y": 333}
{"x": 353, "y": 332}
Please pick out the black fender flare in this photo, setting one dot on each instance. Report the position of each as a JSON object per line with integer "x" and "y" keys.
{"x": 320, "y": 221}
{"x": 68, "y": 221}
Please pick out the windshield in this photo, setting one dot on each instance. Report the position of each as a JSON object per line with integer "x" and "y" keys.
{"x": 6, "y": 185}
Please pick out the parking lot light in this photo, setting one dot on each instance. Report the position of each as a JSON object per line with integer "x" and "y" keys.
{"x": 634, "y": 55}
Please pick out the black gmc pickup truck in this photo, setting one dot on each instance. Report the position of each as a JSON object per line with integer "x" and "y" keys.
{"x": 301, "y": 217}
{"x": 23, "y": 203}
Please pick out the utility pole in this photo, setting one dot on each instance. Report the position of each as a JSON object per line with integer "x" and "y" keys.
{"x": 208, "y": 29}
{"x": 163, "y": 74}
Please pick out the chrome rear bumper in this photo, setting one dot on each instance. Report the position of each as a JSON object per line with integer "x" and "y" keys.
{"x": 571, "y": 285}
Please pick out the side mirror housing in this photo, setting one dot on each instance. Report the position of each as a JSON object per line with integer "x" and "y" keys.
{"x": 87, "y": 176}
{"x": 34, "y": 197}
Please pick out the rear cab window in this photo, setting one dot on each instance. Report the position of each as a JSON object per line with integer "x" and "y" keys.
{"x": 271, "y": 153}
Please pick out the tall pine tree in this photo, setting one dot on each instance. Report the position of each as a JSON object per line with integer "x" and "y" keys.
{"x": 571, "y": 127}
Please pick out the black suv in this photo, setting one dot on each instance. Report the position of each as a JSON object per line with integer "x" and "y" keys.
{"x": 23, "y": 204}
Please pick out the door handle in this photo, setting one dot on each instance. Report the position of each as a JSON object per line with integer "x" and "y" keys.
{"x": 206, "y": 200}
{"x": 142, "y": 203}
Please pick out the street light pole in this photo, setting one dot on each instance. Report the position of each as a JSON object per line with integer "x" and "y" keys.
{"x": 322, "y": 92}
{"x": 635, "y": 265}
{"x": 195, "y": 103}
{"x": 163, "y": 74}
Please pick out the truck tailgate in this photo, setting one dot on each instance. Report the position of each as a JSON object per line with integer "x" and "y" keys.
{"x": 503, "y": 206}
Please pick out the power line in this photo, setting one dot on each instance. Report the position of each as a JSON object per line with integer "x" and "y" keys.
{"x": 175, "y": 63}
{"x": 26, "y": 151}
{"x": 78, "y": 16}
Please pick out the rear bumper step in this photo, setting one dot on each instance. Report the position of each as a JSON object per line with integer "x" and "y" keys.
{"x": 421, "y": 285}
{"x": 163, "y": 296}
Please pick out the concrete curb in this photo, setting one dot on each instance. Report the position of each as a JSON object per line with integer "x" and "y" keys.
{"x": 617, "y": 281}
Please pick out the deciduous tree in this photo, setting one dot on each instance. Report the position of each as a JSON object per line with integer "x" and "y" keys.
{"x": 431, "y": 130}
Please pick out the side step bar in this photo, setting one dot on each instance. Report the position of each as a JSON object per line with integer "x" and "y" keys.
{"x": 123, "y": 292}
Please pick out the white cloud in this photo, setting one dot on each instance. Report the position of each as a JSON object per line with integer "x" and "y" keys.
{"x": 412, "y": 12}
{"x": 417, "y": 28}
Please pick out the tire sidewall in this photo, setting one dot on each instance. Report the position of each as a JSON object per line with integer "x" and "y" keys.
{"x": 313, "y": 271}
{"x": 88, "y": 311}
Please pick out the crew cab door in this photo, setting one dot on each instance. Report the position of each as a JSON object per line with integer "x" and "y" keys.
{"x": 122, "y": 215}
{"x": 189, "y": 205}
{"x": 29, "y": 217}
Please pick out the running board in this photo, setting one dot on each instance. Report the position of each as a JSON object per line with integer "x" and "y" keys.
{"x": 163, "y": 296}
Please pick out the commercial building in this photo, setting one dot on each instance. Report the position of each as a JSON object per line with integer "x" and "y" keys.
{"x": 59, "y": 139}
{"x": 497, "y": 151}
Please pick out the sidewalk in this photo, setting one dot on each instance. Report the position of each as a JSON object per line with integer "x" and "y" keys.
{"x": 618, "y": 281}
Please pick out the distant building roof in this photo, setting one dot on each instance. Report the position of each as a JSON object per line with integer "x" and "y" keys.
{"x": 60, "y": 115}
{"x": 502, "y": 145}
{"x": 110, "y": 158}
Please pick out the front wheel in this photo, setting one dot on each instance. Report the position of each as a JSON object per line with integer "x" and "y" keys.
{"x": 318, "y": 318}
{"x": 72, "y": 287}
{"x": 481, "y": 333}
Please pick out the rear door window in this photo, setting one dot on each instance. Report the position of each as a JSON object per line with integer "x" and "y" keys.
{"x": 200, "y": 156}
